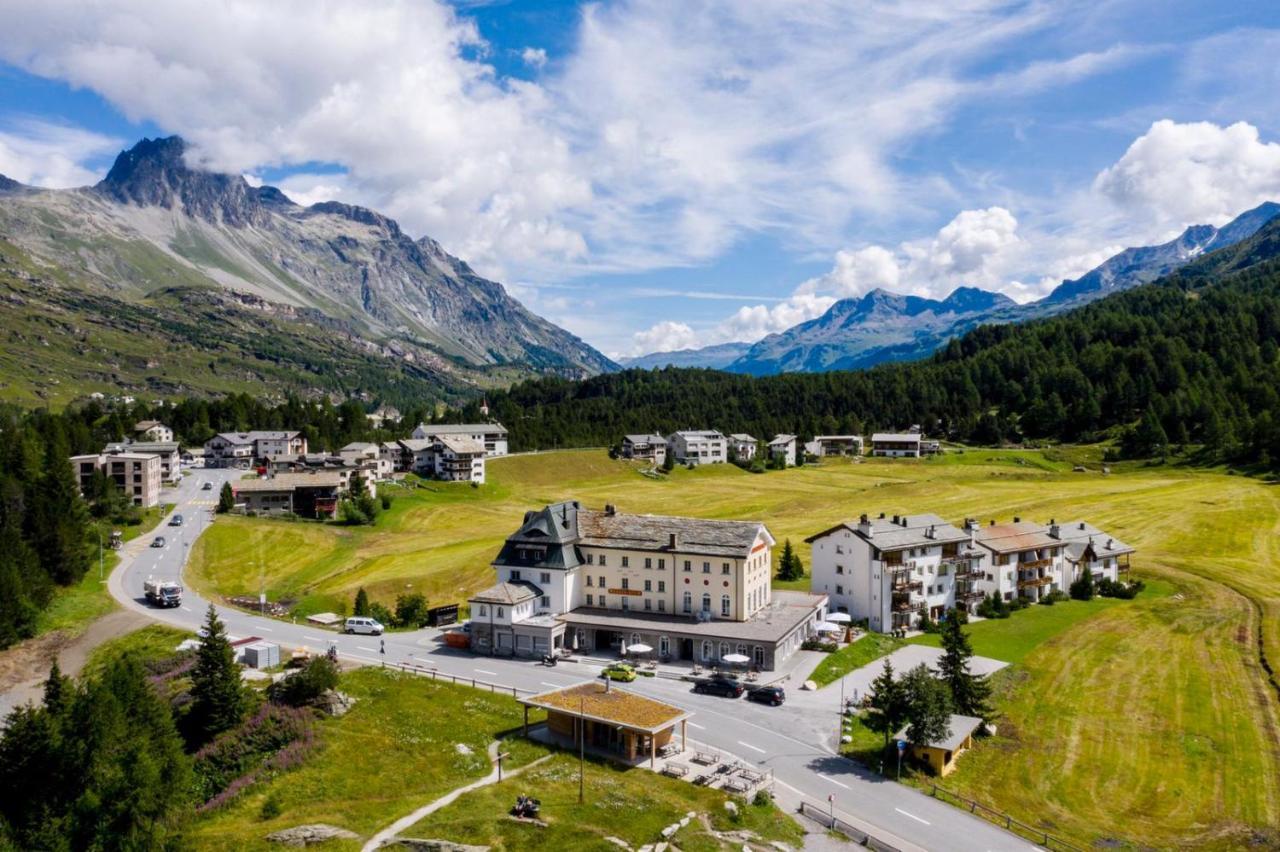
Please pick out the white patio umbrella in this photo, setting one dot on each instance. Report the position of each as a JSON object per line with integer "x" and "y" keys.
{"x": 826, "y": 627}
{"x": 639, "y": 648}
{"x": 736, "y": 658}
{"x": 839, "y": 617}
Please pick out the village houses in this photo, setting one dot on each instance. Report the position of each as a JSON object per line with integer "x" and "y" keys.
{"x": 650, "y": 448}
{"x": 491, "y": 436}
{"x": 743, "y": 447}
{"x": 784, "y": 447}
{"x": 698, "y": 447}
{"x": 245, "y": 449}
{"x": 136, "y": 475}
{"x": 152, "y": 430}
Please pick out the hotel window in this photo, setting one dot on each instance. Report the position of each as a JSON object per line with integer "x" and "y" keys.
{"x": 664, "y": 646}
{"x": 591, "y": 559}
{"x": 484, "y": 610}
{"x": 589, "y": 600}
{"x": 839, "y": 548}
{"x": 839, "y": 569}
{"x": 648, "y": 604}
{"x": 648, "y": 585}
{"x": 706, "y": 567}
{"x": 648, "y": 563}
{"x": 546, "y": 602}
{"x": 662, "y": 585}
{"x": 839, "y": 589}
{"x": 600, "y": 581}
{"x": 546, "y": 576}
{"x": 626, "y": 561}
{"x": 724, "y": 567}
{"x": 725, "y": 606}
{"x": 625, "y": 583}
{"x": 602, "y": 602}
{"x": 688, "y": 566}
{"x": 501, "y": 612}
{"x": 590, "y": 581}
{"x": 662, "y": 605}
{"x": 688, "y": 602}
{"x": 706, "y": 603}
{"x": 662, "y": 564}
{"x": 603, "y": 561}
{"x": 515, "y": 575}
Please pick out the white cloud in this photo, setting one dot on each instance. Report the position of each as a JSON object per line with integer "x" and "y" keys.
{"x": 40, "y": 153}
{"x": 666, "y": 336}
{"x": 750, "y": 323}
{"x": 307, "y": 189}
{"x": 534, "y": 57}
{"x": 1180, "y": 174}
{"x": 668, "y": 134}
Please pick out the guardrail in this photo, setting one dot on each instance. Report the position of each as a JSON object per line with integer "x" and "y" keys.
{"x": 1030, "y": 832}
{"x": 827, "y": 819}
{"x": 475, "y": 683}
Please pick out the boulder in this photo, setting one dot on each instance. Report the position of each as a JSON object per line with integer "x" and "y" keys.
{"x": 306, "y": 835}
{"x": 730, "y": 808}
{"x": 334, "y": 703}
{"x": 422, "y": 845}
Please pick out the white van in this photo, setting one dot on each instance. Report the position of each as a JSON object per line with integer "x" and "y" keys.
{"x": 360, "y": 624}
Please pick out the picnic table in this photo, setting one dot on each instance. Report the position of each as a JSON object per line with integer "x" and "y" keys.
{"x": 702, "y": 780}
{"x": 751, "y": 775}
{"x": 675, "y": 770}
{"x": 669, "y": 749}
{"x": 705, "y": 759}
{"x": 733, "y": 785}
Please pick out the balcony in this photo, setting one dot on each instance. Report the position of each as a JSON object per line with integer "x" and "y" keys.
{"x": 1032, "y": 582}
{"x": 906, "y": 583}
{"x": 1028, "y": 564}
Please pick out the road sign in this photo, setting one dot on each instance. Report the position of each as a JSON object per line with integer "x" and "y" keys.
{"x": 902, "y": 745}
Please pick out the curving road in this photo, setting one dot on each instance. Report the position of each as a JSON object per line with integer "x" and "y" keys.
{"x": 794, "y": 741}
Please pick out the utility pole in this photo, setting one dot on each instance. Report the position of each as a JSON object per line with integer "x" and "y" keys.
{"x": 99, "y": 554}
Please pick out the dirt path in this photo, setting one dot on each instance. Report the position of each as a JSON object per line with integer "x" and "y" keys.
{"x": 24, "y": 667}
{"x": 401, "y": 824}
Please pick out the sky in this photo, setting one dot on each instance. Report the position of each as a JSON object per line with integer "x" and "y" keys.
{"x": 659, "y": 175}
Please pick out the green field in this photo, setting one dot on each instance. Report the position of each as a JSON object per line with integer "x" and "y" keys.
{"x": 870, "y": 647}
{"x": 1150, "y": 721}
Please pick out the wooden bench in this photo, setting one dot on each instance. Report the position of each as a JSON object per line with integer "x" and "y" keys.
{"x": 668, "y": 750}
{"x": 675, "y": 770}
{"x": 733, "y": 785}
{"x": 704, "y": 759}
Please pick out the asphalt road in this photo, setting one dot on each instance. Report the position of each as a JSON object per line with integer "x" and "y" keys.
{"x": 795, "y": 742}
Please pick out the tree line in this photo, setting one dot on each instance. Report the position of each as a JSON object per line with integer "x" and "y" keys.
{"x": 1190, "y": 360}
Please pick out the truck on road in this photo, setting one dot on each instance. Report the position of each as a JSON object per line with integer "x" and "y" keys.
{"x": 162, "y": 593}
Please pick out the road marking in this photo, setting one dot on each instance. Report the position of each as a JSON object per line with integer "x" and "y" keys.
{"x": 552, "y": 685}
{"x": 750, "y": 746}
{"x": 312, "y": 638}
{"x": 186, "y": 609}
{"x": 913, "y": 816}
{"x": 268, "y": 629}
{"x": 696, "y": 725}
{"x": 486, "y": 671}
{"x": 832, "y": 780}
{"x": 365, "y": 648}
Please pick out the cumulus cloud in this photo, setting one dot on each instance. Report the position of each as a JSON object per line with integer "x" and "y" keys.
{"x": 534, "y": 57}
{"x": 40, "y": 153}
{"x": 666, "y": 336}
{"x": 1177, "y": 174}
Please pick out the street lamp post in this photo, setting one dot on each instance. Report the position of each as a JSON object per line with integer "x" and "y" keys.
{"x": 99, "y": 554}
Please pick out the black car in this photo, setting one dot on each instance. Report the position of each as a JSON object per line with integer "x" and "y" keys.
{"x": 773, "y": 695}
{"x": 208, "y": 486}
{"x": 719, "y": 686}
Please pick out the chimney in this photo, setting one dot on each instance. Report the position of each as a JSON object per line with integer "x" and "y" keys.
{"x": 610, "y": 509}
{"x": 1017, "y": 520}
{"x": 1054, "y": 532}
{"x": 882, "y": 516}
{"x": 1082, "y": 525}
{"x": 1110, "y": 542}
{"x": 895, "y": 519}
{"x": 930, "y": 532}
{"x": 675, "y": 541}
{"x": 864, "y": 526}
{"x": 993, "y": 522}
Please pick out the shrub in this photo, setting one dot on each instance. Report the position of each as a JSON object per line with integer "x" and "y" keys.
{"x": 819, "y": 645}
{"x": 271, "y": 807}
{"x": 411, "y": 610}
{"x": 927, "y": 624}
{"x": 1127, "y": 591}
{"x": 762, "y": 799}
{"x": 385, "y": 499}
{"x": 274, "y": 737}
{"x": 1056, "y": 596}
{"x": 1082, "y": 589}
{"x": 381, "y": 614}
{"x": 306, "y": 684}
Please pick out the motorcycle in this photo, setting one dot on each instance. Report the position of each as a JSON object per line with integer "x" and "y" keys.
{"x": 548, "y": 659}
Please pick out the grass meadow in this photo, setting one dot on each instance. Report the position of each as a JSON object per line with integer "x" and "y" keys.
{"x": 1151, "y": 722}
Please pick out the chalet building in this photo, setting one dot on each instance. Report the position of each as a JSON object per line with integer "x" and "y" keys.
{"x": 136, "y": 475}
{"x": 369, "y": 455}
{"x": 698, "y": 447}
{"x": 449, "y": 457}
{"x": 1090, "y": 549}
{"x": 591, "y": 580}
{"x": 313, "y": 494}
{"x": 167, "y": 452}
{"x": 784, "y": 447}
{"x": 896, "y": 444}
{"x": 889, "y": 571}
{"x": 743, "y": 446}
{"x": 493, "y": 436}
{"x": 834, "y": 445}
{"x": 650, "y": 448}
{"x": 244, "y": 449}
{"x": 152, "y": 430}
{"x": 1020, "y": 559}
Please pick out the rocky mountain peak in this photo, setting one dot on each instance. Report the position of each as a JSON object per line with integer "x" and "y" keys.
{"x": 156, "y": 173}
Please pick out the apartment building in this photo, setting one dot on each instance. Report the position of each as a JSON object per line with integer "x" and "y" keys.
{"x": 743, "y": 446}
{"x": 243, "y": 449}
{"x": 603, "y": 580}
{"x": 311, "y": 494}
{"x": 167, "y": 452}
{"x": 136, "y": 475}
{"x": 651, "y": 448}
{"x": 784, "y": 447}
{"x": 493, "y": 436}
{"x": 890, "y": 570}
{"x": 457, "y": 458}
{"x": 698, "y": 447}
{"x": 152, "y": 430}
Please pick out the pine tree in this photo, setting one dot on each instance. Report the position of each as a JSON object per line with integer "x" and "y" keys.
{"x": 218, "y": 699}
{"x": 970, "y": 694}
{"x": 928, "y": 706}
{"x": 887, "y": 701}
{"x": 59, "y": 519}
{"x": 226, "y": 498}
{"x": 361, "y": 606}
{"x": 789, "y": 567}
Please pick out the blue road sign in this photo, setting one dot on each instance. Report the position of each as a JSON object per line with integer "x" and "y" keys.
{"x": 902, "y": 745}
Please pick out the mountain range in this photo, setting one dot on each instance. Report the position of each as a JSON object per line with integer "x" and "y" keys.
{"x": 880, "y": 326}
{"x": 157, "y": 234}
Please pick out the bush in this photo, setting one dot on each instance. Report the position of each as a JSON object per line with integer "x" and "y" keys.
{"x": 271, "y": 807}
{"x": 385, "y": 499}
{"x": 411, "y": 610}
{"x": 1056, "y": 596}
{"x": 381, "y": 614}
{"x": 993, "y": 606}
{"x": 927, "y": 624}
{"x": 1082, "y": 589}
{"x": 233, "y": 760}
{"x": 306, "y": 684}
{"x": 819, "y": 645}
{"x": 1127, "y": 591}
{"x": 762, "y": 799}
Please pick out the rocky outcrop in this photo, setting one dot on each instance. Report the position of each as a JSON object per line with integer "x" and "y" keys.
{"x": 309, "y": 835}
{"x": 419, "y": 845}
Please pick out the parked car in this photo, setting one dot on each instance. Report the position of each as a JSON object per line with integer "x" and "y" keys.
{"x": 619, "y": 671}
{"x": 208, "y": 486}
{"x": 723, "y": 686}
{"x": 360, "y": 624}
{"x": 158, "y": 541}
{"x": 175, "y": 521}
{"x": 772, "y": 695}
